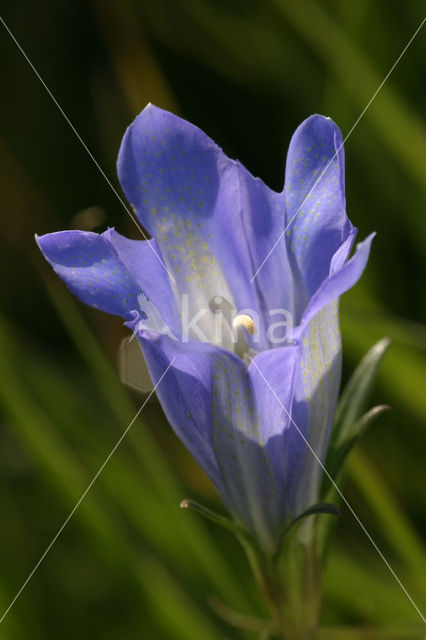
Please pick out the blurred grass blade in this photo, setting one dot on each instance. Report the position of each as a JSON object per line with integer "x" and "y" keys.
{"x": 354, "y": 633}
{"x": 407, "y": 140}
{"x": 124, "y": 478}
{"x": 176, "y": 613}
{"x": 41, "y": 438}
{"x": 131, "y": 52}
{"x": 402, "y": 371}
{"x": 361, "y": 590}
{"x": 392, "y": 522}
{"x": 195, "y": 536}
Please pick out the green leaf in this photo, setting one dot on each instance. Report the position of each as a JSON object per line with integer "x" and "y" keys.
{"x": 227, "y": 523}
{"x": 315, "y": 509}
{"x": 349, "y": 424}
{"x": 347, "y": 440}
{"x": 355, "y": 396}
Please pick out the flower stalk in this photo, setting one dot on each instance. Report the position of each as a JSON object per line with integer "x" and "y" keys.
{"x": 290, "y": 583}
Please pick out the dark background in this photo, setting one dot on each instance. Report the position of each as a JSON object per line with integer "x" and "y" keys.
{"x": 130, "y": 564}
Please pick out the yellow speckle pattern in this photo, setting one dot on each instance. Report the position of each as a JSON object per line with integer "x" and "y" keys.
{"x": 320, "y": 375}
{"x": 318, "y": 201}
{"x": 314, "y": 194}
{"x": 180, "y": 185}
{"x": 93, "y": 272}
{"x": 238, "y": 444}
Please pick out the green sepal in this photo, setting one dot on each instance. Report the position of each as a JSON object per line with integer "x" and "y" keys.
{"x": 344, "y": 445}
{"x": 349, "y": 424}
{"x": 315, "y": 509}
{"x": 296, "y": 572}
{"x": 258, "y": 562}
{"x": 227, "y": 523}
{"x": 291, "y": 529}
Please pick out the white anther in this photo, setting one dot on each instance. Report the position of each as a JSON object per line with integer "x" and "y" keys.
{"x": 245, "y": 321}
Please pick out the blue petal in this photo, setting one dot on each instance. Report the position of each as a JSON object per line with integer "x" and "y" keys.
{"x": 214, "y": 223}
{"x": 109, "y": 272}
{"x": 272, "y": 375}
{"x": 223, "y": 415}
{"x": 318, "y": 377}
{"x": 140, "y": 258}
{"x": 339, "y": 281}
{"x": 185, "y": 392}
{"x": 342, "y": 253}
{"x": 249, "y": 439}
{"x": 316, "y": 390}
{"x": 261, "y": 225}
{"x": 92, "y": 270}
{"x": 315, "y": 198}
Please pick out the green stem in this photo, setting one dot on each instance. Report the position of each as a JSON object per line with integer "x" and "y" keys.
{"x": 290, "y": 586}
{"x": 263, "y": 573}
{"x": 299, "y": 571}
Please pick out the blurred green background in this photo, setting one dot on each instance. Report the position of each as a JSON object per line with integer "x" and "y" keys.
{"x": 130, "y": 564}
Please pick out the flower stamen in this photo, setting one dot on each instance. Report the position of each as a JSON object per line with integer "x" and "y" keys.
{"x": 243, "y": 326}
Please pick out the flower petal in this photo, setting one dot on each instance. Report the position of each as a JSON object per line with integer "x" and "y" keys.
{"x": 262, "y": 223}
{"x": 91, "y": 269}
{"x": 249, "y": 435}
{"x": 110, "y": 272}
{"x": 185, "y": 392}
{"x": 338, "y": 282}
{"x": 272, "y": 375}
{"x": 315, "y": 199}
{"x": 140, "y": 258}
{"x": 222, "y": 414}
{"x": 171, "y": 173}
{"x": 316, "y": 390}
{"x": 213, "y": 221}
{"x": 318, "y": 380}
{"x": 342, "y": 253}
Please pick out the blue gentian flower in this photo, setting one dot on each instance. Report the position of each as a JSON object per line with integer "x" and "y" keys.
{"x": 212, "y": 225}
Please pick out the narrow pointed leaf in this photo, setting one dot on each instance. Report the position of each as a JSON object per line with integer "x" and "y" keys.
{"x": 210, "y": 515}
{"x": 315, "y": 509}
{"x": 347, "y": 439}
{"x": 353, "y": 403}
{"x": 356, "y": 393}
